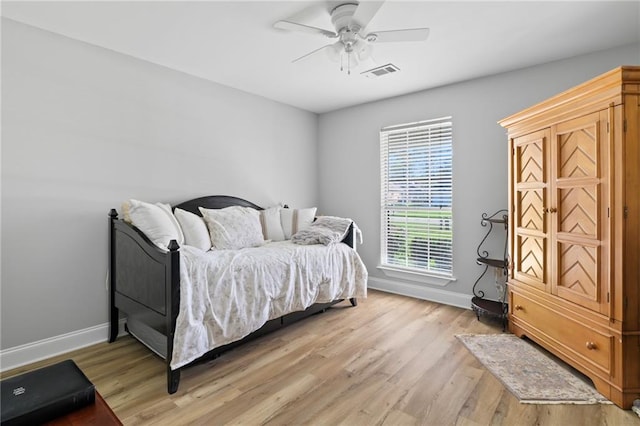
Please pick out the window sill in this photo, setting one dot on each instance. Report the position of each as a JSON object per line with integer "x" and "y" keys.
{"x": 415, "y": 275}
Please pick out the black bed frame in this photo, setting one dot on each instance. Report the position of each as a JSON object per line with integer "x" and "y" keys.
{"x": 145, "y": 282}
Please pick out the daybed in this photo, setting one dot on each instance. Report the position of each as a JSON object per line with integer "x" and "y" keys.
{"x": 170, "y": 310}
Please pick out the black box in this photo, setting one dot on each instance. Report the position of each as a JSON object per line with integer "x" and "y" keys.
{"x": 44, "y": 394}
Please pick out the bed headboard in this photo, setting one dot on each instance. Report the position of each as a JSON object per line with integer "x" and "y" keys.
{"x": 214, "y": 202}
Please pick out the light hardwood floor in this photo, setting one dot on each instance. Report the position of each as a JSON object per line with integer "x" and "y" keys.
{"x": 392, "y": 360}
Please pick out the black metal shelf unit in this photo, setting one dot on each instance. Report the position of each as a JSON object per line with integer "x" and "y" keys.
{"x": 481, "y": 306}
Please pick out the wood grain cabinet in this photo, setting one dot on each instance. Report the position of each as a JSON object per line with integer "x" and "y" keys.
{"x": 574, "y": 241}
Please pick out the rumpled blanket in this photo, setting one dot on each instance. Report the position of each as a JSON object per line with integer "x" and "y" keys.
{"x": 227, "y": 294}
{"x": 325, "y": 230}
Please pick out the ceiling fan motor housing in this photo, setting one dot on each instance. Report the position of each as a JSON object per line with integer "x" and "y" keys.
{"x": 341, "y": 17}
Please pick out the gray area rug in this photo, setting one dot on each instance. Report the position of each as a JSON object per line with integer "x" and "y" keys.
{"x": 533, "y": 376}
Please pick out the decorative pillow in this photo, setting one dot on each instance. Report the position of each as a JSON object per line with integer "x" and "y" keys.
{"x": 271, "y": 225}
{"x": 233, "y": 227}
{"x": 126, "y": 206}
{"x": 194, "y": 229}
{"x": 155, "y": 220}
{"x": 294, "y": 220}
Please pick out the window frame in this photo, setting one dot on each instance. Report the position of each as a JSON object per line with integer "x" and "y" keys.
{"x": 432, "y": 142}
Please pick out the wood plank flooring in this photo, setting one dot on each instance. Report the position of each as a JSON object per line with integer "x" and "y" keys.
{"x": 392, "y": 360}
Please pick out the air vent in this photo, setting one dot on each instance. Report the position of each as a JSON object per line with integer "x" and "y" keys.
{"x": 380, "y": 71}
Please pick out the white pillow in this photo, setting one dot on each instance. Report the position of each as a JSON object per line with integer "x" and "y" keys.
{"x": 294, "y": 220}
{"x": 155, "y": 220}
{"x": 233, "y": 227}
{"x": 271, "y": 225}
{"x": 194, "y": 229}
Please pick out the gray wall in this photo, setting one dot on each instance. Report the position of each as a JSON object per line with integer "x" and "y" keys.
{"x": 349, "y": 152}
{"x": 84, "y": 128}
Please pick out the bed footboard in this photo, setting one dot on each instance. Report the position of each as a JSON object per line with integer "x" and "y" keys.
{"x": 144, "y": 284}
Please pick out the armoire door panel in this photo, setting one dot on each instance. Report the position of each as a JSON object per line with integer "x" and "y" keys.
{"x": 578, "y": 148}
{"x": 530, "y": 261}
{"x": 531, "y": 161}
{"x": 579, "y": 170}
{"x": 529, "y": 210}
{"x": 578, "y": 272}
{"x": 578, "y": 210}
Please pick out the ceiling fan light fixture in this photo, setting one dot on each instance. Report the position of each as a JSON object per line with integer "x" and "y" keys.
{"x": 334, "y": 51}
{"x": 362, "y": 50}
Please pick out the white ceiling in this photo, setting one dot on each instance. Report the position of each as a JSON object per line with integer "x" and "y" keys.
{"x": 235, "y": 44}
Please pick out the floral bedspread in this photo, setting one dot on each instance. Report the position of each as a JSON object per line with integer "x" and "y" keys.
{"x": 227, "y": 294}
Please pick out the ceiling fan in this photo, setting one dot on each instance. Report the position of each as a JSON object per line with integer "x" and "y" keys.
{"x": 354, "y": 41}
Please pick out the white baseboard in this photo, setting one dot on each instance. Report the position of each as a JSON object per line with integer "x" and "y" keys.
{"x": 47, "y": 348}
{"x": 421, "y": 292}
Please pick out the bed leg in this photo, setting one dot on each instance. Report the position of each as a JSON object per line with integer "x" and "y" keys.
{"x": 114, "y": 326}
{"x": 114, "y": 314}
{"x": 354, "y": 301}
{"x": 173, "y": 380}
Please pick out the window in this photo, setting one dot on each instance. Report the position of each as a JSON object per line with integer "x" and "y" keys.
{"x": 416, "y": 169}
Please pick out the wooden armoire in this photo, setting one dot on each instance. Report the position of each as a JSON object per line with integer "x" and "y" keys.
{"x": 574, "y": 231}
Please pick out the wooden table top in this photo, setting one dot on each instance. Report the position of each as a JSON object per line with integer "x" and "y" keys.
{"x": 94, "y": 414}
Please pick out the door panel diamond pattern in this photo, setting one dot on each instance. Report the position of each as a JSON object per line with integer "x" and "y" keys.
{"x": 579, "y": 211}
{"x": 531, "y": 204}
{"x": 531, "y": 260}
{"x": 577, "y": 157}
{"x": 531, "y": 162}
{"x": 578, "y": 270}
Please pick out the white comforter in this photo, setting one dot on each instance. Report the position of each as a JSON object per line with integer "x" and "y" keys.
{"x": 227, "y": 294}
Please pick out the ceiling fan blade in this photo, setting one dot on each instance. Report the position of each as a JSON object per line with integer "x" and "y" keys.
{"x": 365, "y": 12}
{"x": 414, "y": 34}
{"x": 311, "y": 53}
{"x": 310, "y": 13}
{"x": 294, "y": 26}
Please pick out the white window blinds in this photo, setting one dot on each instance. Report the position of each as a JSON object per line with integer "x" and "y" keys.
{"x": 416, "y": 172}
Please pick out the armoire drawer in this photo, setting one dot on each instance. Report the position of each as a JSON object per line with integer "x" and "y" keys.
{"x": 578, "y": 338}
